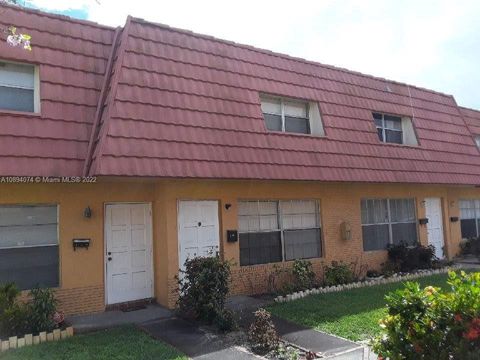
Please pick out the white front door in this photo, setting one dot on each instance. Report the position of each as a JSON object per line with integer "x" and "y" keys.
{"x": 433, "y": 212}
{"x": 198, "y": 230}
{"x": 128, "y": 252}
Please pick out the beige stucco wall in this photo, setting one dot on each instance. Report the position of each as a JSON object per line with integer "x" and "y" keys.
{"x": 82, "y": 272}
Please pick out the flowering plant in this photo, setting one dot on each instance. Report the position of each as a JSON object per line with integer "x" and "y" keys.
{"x": 14, "y": 38}
{"x": 430, "y": 324}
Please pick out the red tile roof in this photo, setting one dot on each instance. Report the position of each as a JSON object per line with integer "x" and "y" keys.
{"x": 72, "y": 55}
{"x": 472, "y": 118}
{"x": 179, "y": 104}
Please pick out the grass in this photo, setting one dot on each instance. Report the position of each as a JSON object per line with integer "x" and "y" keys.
{"x": 352, "y": 314}
{"x": 125, "y": 343}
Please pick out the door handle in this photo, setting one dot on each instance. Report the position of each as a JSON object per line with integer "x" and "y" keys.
{"x": 109, "y": 253}
{"x": 109, "y": 258}
{"x": 199, "y": 224}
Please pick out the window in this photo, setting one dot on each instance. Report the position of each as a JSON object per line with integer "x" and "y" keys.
{"x": 29, "y": 245}
{"x": 389, "y": 128}
{"x": 272, "y": 231}
{"x": 286, "y": 115}
{"x": 17, "y": 87}
{"x": 388, "y": 221}
{"x": 470, "y": 218}
{"x": 395, "y": 129}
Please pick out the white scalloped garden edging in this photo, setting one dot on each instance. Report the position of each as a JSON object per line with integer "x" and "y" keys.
{"x": 360, "y": 284}
{"x": 14, "y": 342}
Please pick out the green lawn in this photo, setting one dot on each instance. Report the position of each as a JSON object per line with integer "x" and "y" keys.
{"x": 125, "y": 343}
{"x": 352, "y": 314}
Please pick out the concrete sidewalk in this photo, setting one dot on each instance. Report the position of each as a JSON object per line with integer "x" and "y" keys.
{"x": 195, "y": 342}
{"x": 108, "y": 319}
{"x": 198, "y": 343}
{"x": 324, "y": 344}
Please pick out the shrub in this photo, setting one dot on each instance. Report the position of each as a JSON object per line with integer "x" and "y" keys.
{"x": 303, "y": 274}
{"x": 203, "y": 289}
{"x": 34, "y": 316}
{"x": 284, "y": 352}
{"x": 42, "y": 309}
{"x": 470, "y": 247}
{"x": 408, "y": 258}
{"x": 430, "y": 325}
{"x": 13, "y": 315}
{"x": 338, "y": 274}
{"x": 225, "y": 321}
{"x": 262, "y": 334}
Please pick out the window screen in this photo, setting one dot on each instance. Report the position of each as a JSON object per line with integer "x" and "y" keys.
{"x": 469, "y": 218}
{"x": 272, "y": 231}
{"x": 285, "y": 115}
{"x": 301, "y": 229}
{"x": 29, "y": 245}
{"x": 388, "y": 221}
{"x": 260, "y": 238}
{"x": 17, "y": 87}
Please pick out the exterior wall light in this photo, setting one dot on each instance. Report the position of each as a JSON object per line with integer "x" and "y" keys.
{"x": 87, "y": 213}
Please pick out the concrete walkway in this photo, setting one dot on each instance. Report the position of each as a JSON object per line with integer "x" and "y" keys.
{"x": 468, "y": 262}
{"x": 108, "y": 319}
{"x": 198, "y": 343}
{"x": 324, "y": 344}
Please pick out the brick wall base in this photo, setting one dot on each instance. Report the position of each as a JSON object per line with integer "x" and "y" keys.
{"x": 270, "y": 278}
{"x": 79, "y": 300}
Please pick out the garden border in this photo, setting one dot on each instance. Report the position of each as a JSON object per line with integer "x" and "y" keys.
{"x": 14, "y": 342}
{"x": 359, "y": 284}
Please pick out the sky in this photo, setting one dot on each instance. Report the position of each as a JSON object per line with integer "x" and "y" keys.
{"x": 427, "y": 43}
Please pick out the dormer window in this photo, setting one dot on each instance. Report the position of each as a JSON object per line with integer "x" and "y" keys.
{"x": 291, "y": 116}
{"x": 394, "y": 129}
{"x": 286, "y": 115}
{"x": 18, "y": 87}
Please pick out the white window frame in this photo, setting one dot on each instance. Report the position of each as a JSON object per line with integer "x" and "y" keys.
{"x": 390, "y": 223}
{"x": 36, "y": 87}
{"x": 282, "y": 110}
{"x": 281, "y": 228}
{"x": 385, "y": 128}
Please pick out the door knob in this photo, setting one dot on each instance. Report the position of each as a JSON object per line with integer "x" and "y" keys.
{"x": 199, "y": 224}
{"x": 109, "y": 258}
{"x": 109, "y": 253}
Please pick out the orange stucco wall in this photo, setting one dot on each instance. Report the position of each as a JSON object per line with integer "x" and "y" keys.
{"x": 82, "y": 272}
{"x": 339, "y": 202}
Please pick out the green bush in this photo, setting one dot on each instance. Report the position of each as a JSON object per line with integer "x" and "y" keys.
{"x": 42, "y": 308}
{"x": 19, "y": 318}
{"x": 225, "y": 321}
{"x": 303, "y": 275}
{"x": 431, "y": 325}
{"x": 408, "y": 258}
{"x": 338, "y": 274}
{"x": 262, "y": 334}
{"x": 13, "y": 314}
{"x": 203, "y": 289}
